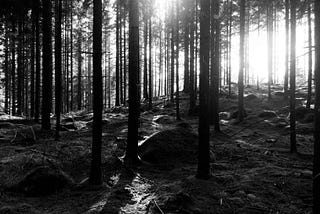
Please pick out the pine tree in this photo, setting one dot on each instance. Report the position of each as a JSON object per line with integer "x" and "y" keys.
{"x": 131, "y": 157}
{"x": 58, "y": 76}
{"x": 316, "y": 159}
{"x": 95, "y": 172}
{"x": 204, "y": 147}
{"x": 47, "y": 64}
{"x": 241, "y": 54}
{"x": 293, "y": 147}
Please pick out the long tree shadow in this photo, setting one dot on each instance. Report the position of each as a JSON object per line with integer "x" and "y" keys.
{"x": 120, "y": 194}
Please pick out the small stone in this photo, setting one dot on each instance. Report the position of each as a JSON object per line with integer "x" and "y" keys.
{"x": 306, "y": 174}
{"x": 236, "y": 200}
{"x": 252, "y": 197}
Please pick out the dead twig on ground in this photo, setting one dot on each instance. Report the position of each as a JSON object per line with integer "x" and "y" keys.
{"x": 155, "y": 203}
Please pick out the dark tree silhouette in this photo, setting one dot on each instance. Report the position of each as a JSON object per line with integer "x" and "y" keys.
{"x": 79, "y": 79}
{"x": 131, "y": 157}
{"x": 172, "y": 57}
{"x": 57, "y": 61}
{"x": 177, "y": 60}
{"x": 150, "y": 65}
{"x": 204, "y": 147}
{"x": 241, "y": 55}
{"x": 192, "y": 67}
{"x": 145, "y": 59}
{"x": 47, "y": 64}
{"x": 316, "y": 159}
{"x": 117, "y": 102}
{"x": 309, "y": 58}
{"x": 95, "y": 172}
{"x": 6, "y": 68}
{"x": 270, "y": 45}
{"x": 215, "y": 65}
{"x": 13, "y": 68}
{"x": 293, "y": 146}
{"x": 286, "y": 60}
{"x": 37, "y": 77}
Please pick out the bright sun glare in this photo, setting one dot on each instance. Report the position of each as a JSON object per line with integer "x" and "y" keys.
{"x": 258, "y": 51}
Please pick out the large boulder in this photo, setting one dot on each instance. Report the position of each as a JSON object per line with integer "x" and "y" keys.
{"x": 268, "y": 114}
{"x": 302, "y": 111}
{"x": 170, "y": 147}
{"x": 250, "y": 97}
{"x": 42, "y": 181}
{"x": 164, "y": 119}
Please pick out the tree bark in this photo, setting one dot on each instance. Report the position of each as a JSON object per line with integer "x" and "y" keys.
{"x": 316, "y": 159}
{"x": 57, "y": 61}
{"x": 177, "y": 61}
{"x": 270, "y": 45}
{"x": 145, "y": 60}
{"x": 192, "y": 69}
{"x": 293, "y": 147}
{"x": 241, "y": 66}
{"x": 37, "y": 77}
{"x": 309, "y": 58}
{"x": 131, "y": 157}
{"x": 204, "y": 146}
{"x": 286, "y": 60}
{"x": 47, "y": 65}
{"x": 150, "y": 65}
{"x": 117, "y": 102}
{"x": 95, "y": 172}
{"x": 79, "y": 84}
{"x": 6, "y": 70}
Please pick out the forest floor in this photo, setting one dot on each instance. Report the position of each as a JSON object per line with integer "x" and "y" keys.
{"x": 252, "y": 168}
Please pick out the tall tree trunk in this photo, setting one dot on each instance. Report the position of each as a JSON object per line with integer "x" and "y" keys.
{"x": 117, "y": 102}
{"x": 270, "y": 45}
{"x": 145, "y": 60}
{"x": 19, "y": 68}
{"x": 121, "y": 57}
{"x": 172, "y": 58}
{"x": 79, "y": 84}
{"x": 66, "y": 43}
{"x": 58, "y": 67}
{"x": 241, "y": 66}
{"x": 186, "y": 48}
{"x": 131, "y": 156}
{"x": 259, "y": 27}
{"x": 6, "y": 70}
{"x": 37, "y": 83}
{"x": 230, "y": 48}
{"x": 177, "y": 61}
{"x": 32, "y": 61}
{"x": 95, "y": 172}
{"x": 13, "y": 68}
{"x": 204, "y": 146}
{"x": 71, "y": 55}
{"x": 192, "y": 69}
{"x": 197, "y": 59}
{"x": 109, "y": 73}
{"x": 89, "y": 90}
{"x": 150, "y": 65}
{"x": 293, "y": 147}
{"x": 309, "y": 58}
{"x": 316, "y": 159}
{"x": 124, "y": 61}
{"x": 286, "y": 60}
{"x": 216, "y": 66}
{"x": 47, "y": 65}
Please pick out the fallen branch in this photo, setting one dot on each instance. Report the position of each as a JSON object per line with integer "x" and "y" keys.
{"x": 160, "y": 210}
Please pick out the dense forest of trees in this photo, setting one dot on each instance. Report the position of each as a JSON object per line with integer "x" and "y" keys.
{"x": 64, "y": 56}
